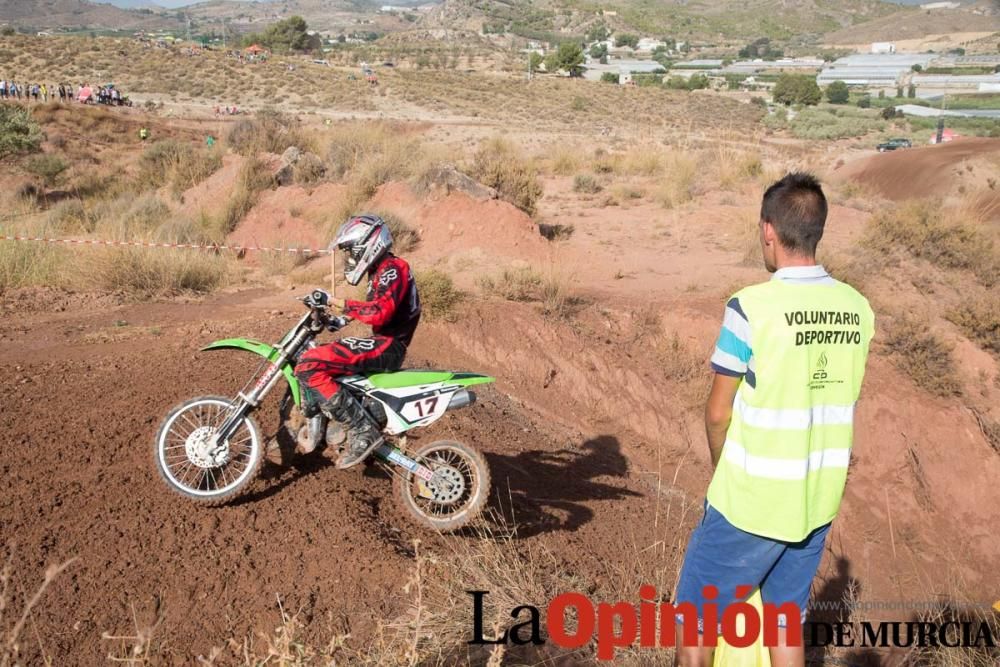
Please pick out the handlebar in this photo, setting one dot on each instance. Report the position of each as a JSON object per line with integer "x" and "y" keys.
{"x": 318, "y": 301}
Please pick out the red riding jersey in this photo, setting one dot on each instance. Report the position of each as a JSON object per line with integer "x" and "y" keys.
{"x": 392, "y": 307}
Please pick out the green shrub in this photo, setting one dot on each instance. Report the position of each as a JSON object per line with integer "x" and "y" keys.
{"x": 499, "y": 165}
{"x": 586, "y": 184}
{"x": 19, "y": 133}
{"x": 47, "y": 167}
{"x": 838, "y": 92}
{"x": 820, "y": 124}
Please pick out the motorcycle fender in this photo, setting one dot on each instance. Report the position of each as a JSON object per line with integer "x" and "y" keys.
{"x": 264, "y": 350}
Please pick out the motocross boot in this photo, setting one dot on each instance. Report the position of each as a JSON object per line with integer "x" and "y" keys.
{"x": 362, "y": 435}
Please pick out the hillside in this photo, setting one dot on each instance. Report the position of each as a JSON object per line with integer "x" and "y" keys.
{"x": 915, "y": 24}
{"x": 702, "y": 20}
{"x": 78, "y": 14}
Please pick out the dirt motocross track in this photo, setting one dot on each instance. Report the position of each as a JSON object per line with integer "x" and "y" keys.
{"x": 84, "y": 386}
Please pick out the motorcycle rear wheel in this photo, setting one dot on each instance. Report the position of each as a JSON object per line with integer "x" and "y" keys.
{"x": 182, "y": 455}
{"x": 455, "y": 504}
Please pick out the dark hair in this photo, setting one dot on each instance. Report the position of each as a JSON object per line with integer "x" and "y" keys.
{"x": 796, "y": 206}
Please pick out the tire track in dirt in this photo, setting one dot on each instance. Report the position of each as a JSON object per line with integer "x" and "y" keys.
{"x": 77, "y": 423}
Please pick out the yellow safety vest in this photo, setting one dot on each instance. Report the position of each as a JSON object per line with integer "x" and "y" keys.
{"x": 784, "y": 462}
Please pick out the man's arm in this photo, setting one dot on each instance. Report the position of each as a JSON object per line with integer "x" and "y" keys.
{"x": 731, "y": 363}
{"x": 390, "y": 289}
{"x": 719, "y": 412}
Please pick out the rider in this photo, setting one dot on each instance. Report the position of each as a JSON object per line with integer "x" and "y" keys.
{"x": 392, "y": 308}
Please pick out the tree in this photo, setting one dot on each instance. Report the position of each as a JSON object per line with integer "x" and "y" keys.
{"x": 18, "y": 132}
{"x": 535, "y": 61}
{"x": 676, "y": 82}
{"x": 568, "y": 57}
{"x": 761, "y": 48}
{"x": 911, "y": 92}
{"x": 599, "y": 51}
{"x": 598, "y": 33}
{"x": 698, "y": 82}
{"x": 865, "y": 102}
{"x": 917, "y": 67}
{"x": 8, "y": 31}
{"x": 838, "y": 93}
{"x": 291, "y": 34}
{"x": 797, "y": 89}
{"x": 626, "y": 39}
{"x": 47, "y": 167}
{"x": 661, "y": 56}
{"x": 609, "y": 77}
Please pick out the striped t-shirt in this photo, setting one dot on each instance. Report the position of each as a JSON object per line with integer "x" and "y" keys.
{"x": 733, "y": 354}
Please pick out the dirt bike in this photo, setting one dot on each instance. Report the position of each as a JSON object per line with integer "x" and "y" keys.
{"x": 210, "y": 448}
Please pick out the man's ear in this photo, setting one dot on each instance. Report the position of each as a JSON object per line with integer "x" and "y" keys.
{"x": 770, "y": 235}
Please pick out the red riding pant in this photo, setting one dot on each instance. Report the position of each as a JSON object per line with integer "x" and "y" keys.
{"x": 319, "y": 368}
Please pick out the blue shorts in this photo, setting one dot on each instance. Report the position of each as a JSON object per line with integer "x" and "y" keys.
{"x": 722, "y": 555}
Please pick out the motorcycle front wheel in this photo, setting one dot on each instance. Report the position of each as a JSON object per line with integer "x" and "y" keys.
{"x": 455, "y": 495}
{"x": 193, "y": 465}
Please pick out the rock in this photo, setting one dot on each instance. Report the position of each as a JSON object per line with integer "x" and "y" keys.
{"x": 285, "y": 174}
{"x": 291, "y": 155}
{"x": 299, "y": 166}
{"x": 447, "y": 179}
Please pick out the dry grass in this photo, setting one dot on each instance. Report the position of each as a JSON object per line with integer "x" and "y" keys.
{"x": 368, "y": 155}
{"x": 520, "y": 284}
{"x": 11, "y": 627}
{"x": 924, "y": 230}
{"x": 25, "y": 264}
{"x": 404, "y": 237}
{"x": 734, "y": 167}
{"x": 500, "y": 165}
{"x": 676, "y": 185}
{"x": 269, "y": 131}
{"x": 979, "y": 319}
{"x": 144, "y": 272}
{"x": 439, "y": 298}
{"x": 251, "y": 180}
{"x": 564, "y": 160}
{"x": 922, "y": 355}
{"x": 177, "y": 164}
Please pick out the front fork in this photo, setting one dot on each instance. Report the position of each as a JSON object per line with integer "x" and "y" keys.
{"x": 395, "y": 455}
{"x": 247, "y": 402}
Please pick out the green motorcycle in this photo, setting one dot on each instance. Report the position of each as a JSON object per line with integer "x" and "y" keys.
{"x": 209, "y": 448}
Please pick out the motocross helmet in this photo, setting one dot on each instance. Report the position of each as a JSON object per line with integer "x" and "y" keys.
{"x": 365, "y": 239}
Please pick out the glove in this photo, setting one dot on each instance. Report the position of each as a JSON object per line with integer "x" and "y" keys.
{"x": 318, "y": 298}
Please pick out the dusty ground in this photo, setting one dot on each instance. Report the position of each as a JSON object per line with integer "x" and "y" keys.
{"x": 592, "y": 430}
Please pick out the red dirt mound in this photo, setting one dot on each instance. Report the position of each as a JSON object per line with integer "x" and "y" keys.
{"x": 459, "y": 223}
{"x": 920, "y": 172}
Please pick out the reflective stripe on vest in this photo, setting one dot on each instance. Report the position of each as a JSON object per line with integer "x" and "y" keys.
{"x": 771, "y": 468}
{"x": 788, "y": 446}
{"x": 791, "y": 418}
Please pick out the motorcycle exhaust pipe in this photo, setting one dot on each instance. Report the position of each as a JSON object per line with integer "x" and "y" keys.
{"x": 462, "y": 398}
